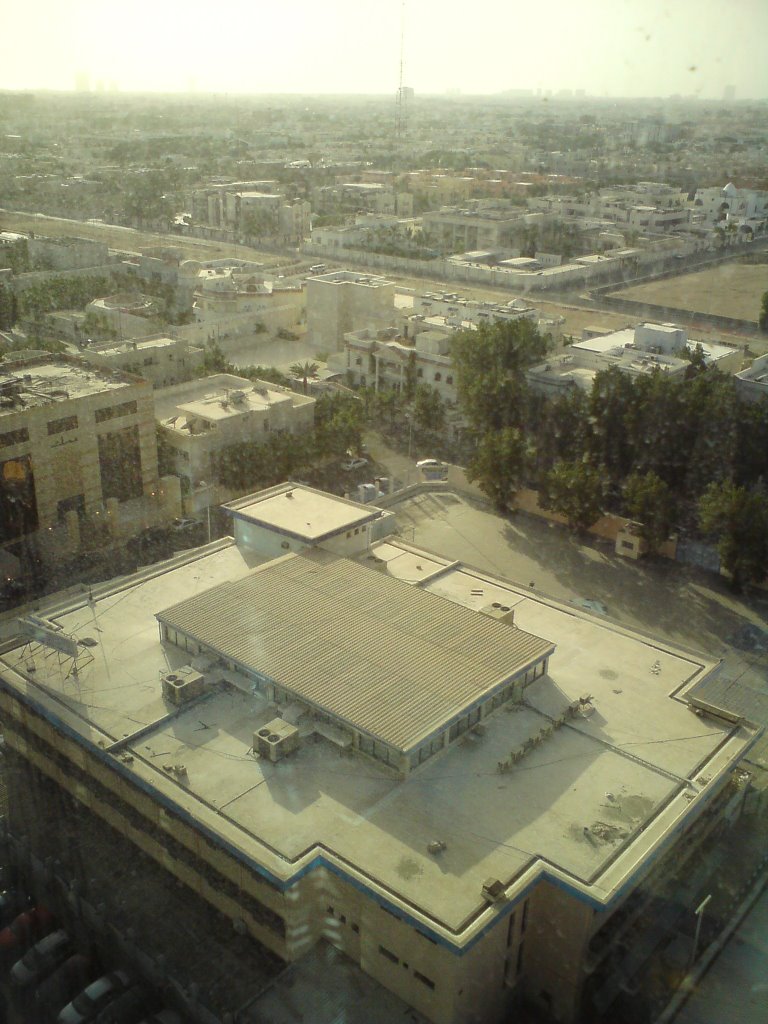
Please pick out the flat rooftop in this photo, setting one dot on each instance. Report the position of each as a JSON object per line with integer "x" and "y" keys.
{"x": 385, "y": 658}
{"x": 45, "y": 381}
{"x": 302, "y": 511}
{"x": 589, "y": 805}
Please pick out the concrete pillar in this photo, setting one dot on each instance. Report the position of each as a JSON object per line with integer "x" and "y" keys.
{"x": 112, "y": 507}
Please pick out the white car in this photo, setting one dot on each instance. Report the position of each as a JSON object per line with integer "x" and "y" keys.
{"x": 93, "y": 999}
{"x": 429, "y": 464}
{"x": 41, "y": 959}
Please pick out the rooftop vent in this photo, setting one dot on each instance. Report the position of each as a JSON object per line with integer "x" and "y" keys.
{"x": 276, "y": 739}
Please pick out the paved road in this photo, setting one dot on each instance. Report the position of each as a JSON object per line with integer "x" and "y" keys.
{"x": 735, "y": 989}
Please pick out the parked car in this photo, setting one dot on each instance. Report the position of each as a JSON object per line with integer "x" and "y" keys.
{"x": 351, "y": 464}
{"x": 92, "y": 1000}
{"x": 429, "y": 464}
{"x": 28, "y": 927}
{"x": 184, "y": 524}
{"x": 63, "y": 984}
{"x": 41, "y": 959}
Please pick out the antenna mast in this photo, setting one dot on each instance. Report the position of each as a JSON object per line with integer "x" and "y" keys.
{"x": 401, "y": 127}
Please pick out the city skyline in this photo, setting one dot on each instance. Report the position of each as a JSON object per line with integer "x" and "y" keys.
{"x": 632, "y": 49}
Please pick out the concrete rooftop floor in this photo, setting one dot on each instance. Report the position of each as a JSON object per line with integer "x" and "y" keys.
{"x": 623, "y": 773}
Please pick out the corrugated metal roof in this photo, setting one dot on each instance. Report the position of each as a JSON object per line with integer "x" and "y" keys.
{"x": 386, "y": 657}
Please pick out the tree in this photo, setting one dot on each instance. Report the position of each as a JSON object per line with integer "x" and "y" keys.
{"x": 428, "y": 410}
{"x": 304, "y": 370}
{"x": 574, "y": 490}
{"x": 649, "y": 501}
{"x": 763, "y": 318}
{"x": 498, "y": 465}
{"x": 8, "y": 308}
{"x": 738, "y": 518}
{"x": 490, "y": 365}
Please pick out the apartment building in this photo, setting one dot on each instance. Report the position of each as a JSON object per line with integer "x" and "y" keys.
{"x": 342, "y": 739}
{"x": 72, "y": 437}
{"x": 159, "y": 359}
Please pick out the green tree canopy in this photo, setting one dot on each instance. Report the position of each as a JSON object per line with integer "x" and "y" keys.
{"x": 574, "y": 490}
{"x": 490, "y": 366}
{"x": 738, "y": 518}
{"x": 649, "y": 501}
{"x": 498, "y": 465}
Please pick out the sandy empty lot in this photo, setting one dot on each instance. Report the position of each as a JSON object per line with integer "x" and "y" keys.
{"x": 732, "y": 289}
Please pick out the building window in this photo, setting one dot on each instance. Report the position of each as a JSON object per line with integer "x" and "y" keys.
{"x": 59, "y": 426}
{"x": 112, "y": 411}
{"x": 424, "y": 980}
{"x": 355, "y": 928}
{"x": 419, "y": 372}
{"x": 449, "y": 380}
{"x": 359, "y": 361}
{"x": 389, "y": 955}
{"x": 438, "y": 376}
{"x": 14, "y": 437}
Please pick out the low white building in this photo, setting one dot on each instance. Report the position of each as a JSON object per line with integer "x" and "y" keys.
{"x": 636, "y": 351}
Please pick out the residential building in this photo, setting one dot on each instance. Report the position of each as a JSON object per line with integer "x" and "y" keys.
{"x": 752, "y": 383}
{"x": 332, "y": 736}
{"x": 387, "y": 358}
{"x": 344, "y": 301}
{"x": 482, "y": 224}
{"x": 201, "y": 418}
{"x": 731, "y": 205}
{"x": 160, "y": 359}
{"x": 72, "y": 437}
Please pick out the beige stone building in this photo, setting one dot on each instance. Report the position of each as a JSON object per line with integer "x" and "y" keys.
{"x": 202, "y": 417}
{"x": 476, "y": 794}
{"x": 72, "y": 436}
{"x": 345, "y": 301}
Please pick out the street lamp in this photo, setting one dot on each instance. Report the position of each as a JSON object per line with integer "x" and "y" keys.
{"x": 699, "y": 912}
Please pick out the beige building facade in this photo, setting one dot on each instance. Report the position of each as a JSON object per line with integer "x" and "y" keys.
{"x": 72, "y": 436}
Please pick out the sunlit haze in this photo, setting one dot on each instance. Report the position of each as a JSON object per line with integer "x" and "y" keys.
{"x": 604, "y": 47}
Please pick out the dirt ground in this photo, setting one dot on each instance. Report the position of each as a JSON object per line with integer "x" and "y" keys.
{"x": 579, "y": 317}
{"x": 131, "y": 240}
{"x": 732, "y": 289}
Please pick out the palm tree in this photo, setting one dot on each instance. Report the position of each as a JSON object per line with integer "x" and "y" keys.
{"x": 304, "y": 370}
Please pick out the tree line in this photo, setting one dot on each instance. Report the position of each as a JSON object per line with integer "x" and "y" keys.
{"x": 681, "y": 454}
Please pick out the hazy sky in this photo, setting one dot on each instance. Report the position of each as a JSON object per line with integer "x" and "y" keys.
{"x": 618, "y": 47}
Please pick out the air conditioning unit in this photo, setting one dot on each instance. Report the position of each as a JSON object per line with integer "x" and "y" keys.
{"x": 183, "y": 685}
{"x": 502, "y": 612}
{"x": 276, "y": 739}
{"x": 493, "y": 890}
